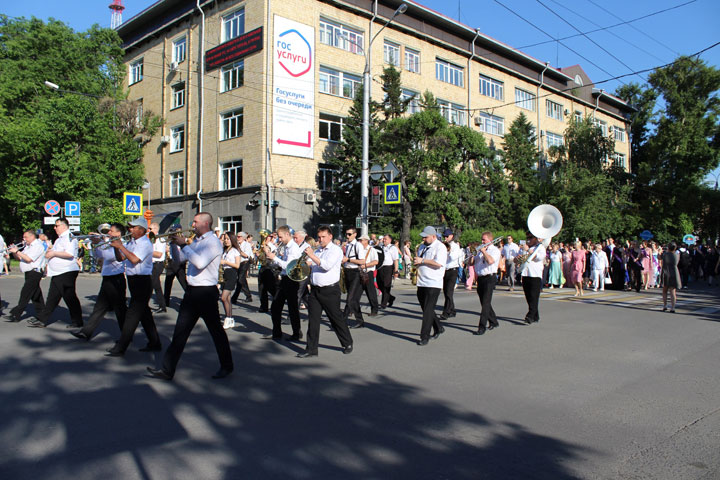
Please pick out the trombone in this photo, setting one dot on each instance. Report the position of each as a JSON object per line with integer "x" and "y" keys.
{"x": 189, "y": 234}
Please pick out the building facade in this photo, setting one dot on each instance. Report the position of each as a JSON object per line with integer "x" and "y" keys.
{"x": 253, "y": 94}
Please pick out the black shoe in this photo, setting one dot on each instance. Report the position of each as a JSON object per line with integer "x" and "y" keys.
{"x": 392, "y": 300}
{"x": 248, "y": 299}
{"x": 11, "y": 318}
{"x": 35, "y": 323}
{"x": 373, "y": 314}
{"x": 295, "y": 337}
{"x": 435, "y": 336}
{"x": 81, "y": 335}
{"x": 528, "y": 321}
{"x": 442, "y": 329}
{"x": 159, "y": 373}
{"x": 348, "y": 350}
{"x": 285, "y": 321}
{"x": 452, "y": 314}
{"x": 358, "y": 325}
{"x": 479, "y": 331}
{"x": 263, "y": 310}
{"x": 422, "y": 342}
{"x": 115, "y": 352}
{"x": 306, "y": 355}
{"x": 491, "y": 326}
{"x": 151, "y": 348}
{"x": 222, "y": 373}
{"x": 444, "y": 316}
{"x": 74, "y": 325}
{"x": 382, "y": 307}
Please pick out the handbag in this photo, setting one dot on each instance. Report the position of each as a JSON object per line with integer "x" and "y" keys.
{"x": 364, "y": 276}
{"x": 608, "y": 280}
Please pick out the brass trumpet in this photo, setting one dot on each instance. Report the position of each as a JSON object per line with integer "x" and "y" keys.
{"x": 298, "y": 270}
{"x": 188, "y": 234}
{"x": 260, "y": 252}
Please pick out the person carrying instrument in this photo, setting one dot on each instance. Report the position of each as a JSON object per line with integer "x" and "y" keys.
{"x": 486, "y": 264}
{"x": 303, "y": 290}
{"x": 370, "y": 261}
{"x": 454, "y": 263}
{"x": 174, "y": 269}
{"x": 246, "y": 256}
{"x": 62, "y": 269}
{"x": 353, "y": 258}
{"x": 158, "y": 263}
{"x": 112, "y": 289}
{"x": 267, "y": 276}
{"x": 325, "y": 293}
{"x": 532, "y": 277}
{"x": 31, "y": 260}
{"x": 288, "y": 289}
{"x": 230, "y": 263}
{"x": 430, "y": 261}
{"x": 387, "y": 271}
{"x": 200, "y": 299}
{"x": 137, "y": 255}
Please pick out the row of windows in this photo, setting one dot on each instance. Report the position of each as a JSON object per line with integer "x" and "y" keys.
{"x": 334, "y": 82}
{"x": 230, "y": 178}
{"x": 231, "y": 126}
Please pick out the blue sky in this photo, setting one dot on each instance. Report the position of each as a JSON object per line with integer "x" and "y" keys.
{"x": 643, "y": 44}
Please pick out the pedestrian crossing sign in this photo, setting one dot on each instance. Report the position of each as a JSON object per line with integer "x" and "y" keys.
{"x": 132, "y": 203}
{"x": 392, "y": 193}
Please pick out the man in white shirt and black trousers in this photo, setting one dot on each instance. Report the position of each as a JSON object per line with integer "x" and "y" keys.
{"x": 325, "y": 293}
{"x": 451, "y": 274}
{"x": 31, "y": 260}
{"x": 532, "y": 277}
{"x": 137, "y": 254}
{"x": 246, "y": 256}
{"x": 158, "y": 267}
{"x": 112, "y": 294}
{"x": 430, "y": 260}
{"x": 288, "y": 289}
{"x": 62, "y": 269}
{"x": 387, "y": 271}
{"x": 353, "y": 258}
{"x": 486, "y": 264}
{"x": 200, "y": 300}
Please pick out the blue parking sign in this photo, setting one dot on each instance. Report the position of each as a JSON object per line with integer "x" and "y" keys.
{"x": 72, "y": 209}
{"x": 132, "y": 203}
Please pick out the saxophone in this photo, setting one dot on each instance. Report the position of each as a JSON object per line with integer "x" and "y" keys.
{"x": 414, "y": 274}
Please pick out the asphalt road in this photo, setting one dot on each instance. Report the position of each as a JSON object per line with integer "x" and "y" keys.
{"x": 605, "y": 387}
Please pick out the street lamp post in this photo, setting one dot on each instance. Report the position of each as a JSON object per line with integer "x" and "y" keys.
{"x": 364, "y": 180}
{"x": 146, "y": 186}
{"x": 56, "y": 87}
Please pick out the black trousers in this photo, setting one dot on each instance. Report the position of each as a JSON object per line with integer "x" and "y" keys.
{"x": 198, "y": 302}
{"x": 684, "y": 275}
{"x": 531, "y": 288}
{"x": 635, "y": 272}
{"x": 371, "y": 291}
{"x": 63, "y": 286}
{"x": 427, "y": 296}
{"x": 326, "y": 299}
{"x": 267, "y": 285}
{"x": 485, "y": 288}
{"x": 31, "y": 291}
{"x": 354, "y": 292}
{"x": 384, "y": 281}
{"x": 304, "y": 290}
{"x": 449, "y": 282}
{"x": 158, "y": 268}
{"x": 140, "y": 287}
{"x": 242, "y": 284}
{"x": 110, "y": 297}
{"x": 174, "y": 270}
{"x": 287, "y": 292}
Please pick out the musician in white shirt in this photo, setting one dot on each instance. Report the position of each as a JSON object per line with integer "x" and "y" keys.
{"x": 287, "y": 290}
{"x": 158, "y": 263}
{"x": 303, "y": 286}
{"x": 509, "y": 251}
{"x": 353, "y": 258}
{"x": 62, "y": 269}
{"x": 486, "y": 264}
{"x": 370, "y": 258}
{"x": 430, "y": 260}
{"x": 325, "y": 293}
{"x": 31, "y": 263}
{"x": 200, "y": 300}
{"x": 532, "y": 277}
{"x": 454, "y": 263}
{"x": 246, "y": 258}
{"x": 387, "y": 271}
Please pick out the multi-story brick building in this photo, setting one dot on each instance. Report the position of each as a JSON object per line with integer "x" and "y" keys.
{"x": 253, "y": 95}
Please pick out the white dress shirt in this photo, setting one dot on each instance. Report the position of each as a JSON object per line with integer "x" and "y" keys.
{"x": 534, "y": 268}
{"x": 510, "y": 251}
{"x": 454, "y": 256}
{"x": 110, "y": 265}
{"x": 247, "y": 249}
{"x": 203, "y": 257}
{"x": 230, "y": 256}
{"x": 430, "y": 276}
{"x": 599, "y": 261}
{"x": 328, "y": 272}
{"x": 483, "y": 268}
{"x": 57, "y": 265}
{"x": 36, "y": 252}
{"x": 143, "y": 249}
{"x": 371, "y": 256}
{"x": 290, "y": 253}
{"x": 391, "y": 254}
{"x": 159, "y": 246}
{"x": 353, "y": 251}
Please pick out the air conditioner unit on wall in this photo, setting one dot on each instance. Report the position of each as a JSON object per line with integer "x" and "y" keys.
{"x": 310, "y": 197}
{"x": 165, "y": 139}
{"x": 478, "y": 121}
{"x": 173, "y": 66}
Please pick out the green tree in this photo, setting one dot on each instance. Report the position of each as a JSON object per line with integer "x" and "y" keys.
{"x": 520, "y": 155}
{"x": 643, "y": 100}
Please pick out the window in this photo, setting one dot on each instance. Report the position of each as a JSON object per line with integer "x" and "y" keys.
{"x": 139, "y": 113}
{"x": 602, "y": 125}
{"x": 492, "y": 88}
{"x": 449, "y": 73}
{"x": 619, "y": 134}
{"x": 524, "y": 99}
{"x": 177, "y": 183}
{"x": 578, "y": 117}
{"x": 340, "y": 36}
{"x": 331, "y": 127}
{"x": 619, "y": 160}
{"x": 331, "y": 80}
{"x": 231, "y": 175}
{"x": 491, "y": 124}
{"x": 233, "y": 75}
{"x": 553, "y": 139}
{"x": 413, "y": 105}
{"x": 554, "y": 110}
{"x": 179, "y": 50}
{"x": 452, "y": 112}
{"x": 412, "y": 60}
{"x": 178, "y": 95}
{"x": 233, "y": 25}
{"x": 136, "y": 71}
{"x": 231, "y": 224}
{"x": 326, "y": 177}
{"x": 232, "y": 124}
{"x": 177, "y": 142}
{"x": 391, "y": 53}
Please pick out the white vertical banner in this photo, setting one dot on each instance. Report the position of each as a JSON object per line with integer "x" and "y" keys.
{"x": 293, "y": 88}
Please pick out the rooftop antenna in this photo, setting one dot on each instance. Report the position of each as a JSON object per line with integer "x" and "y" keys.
{"x": 117, "y": 8}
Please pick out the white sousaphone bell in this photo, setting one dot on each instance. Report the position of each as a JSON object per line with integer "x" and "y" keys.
{"x": 545, "y": 221}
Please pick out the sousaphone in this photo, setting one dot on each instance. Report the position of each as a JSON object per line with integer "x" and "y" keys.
{"x": 545, "y": 221}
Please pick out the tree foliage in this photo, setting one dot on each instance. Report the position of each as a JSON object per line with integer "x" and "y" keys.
{"x": 520, "y": 155}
